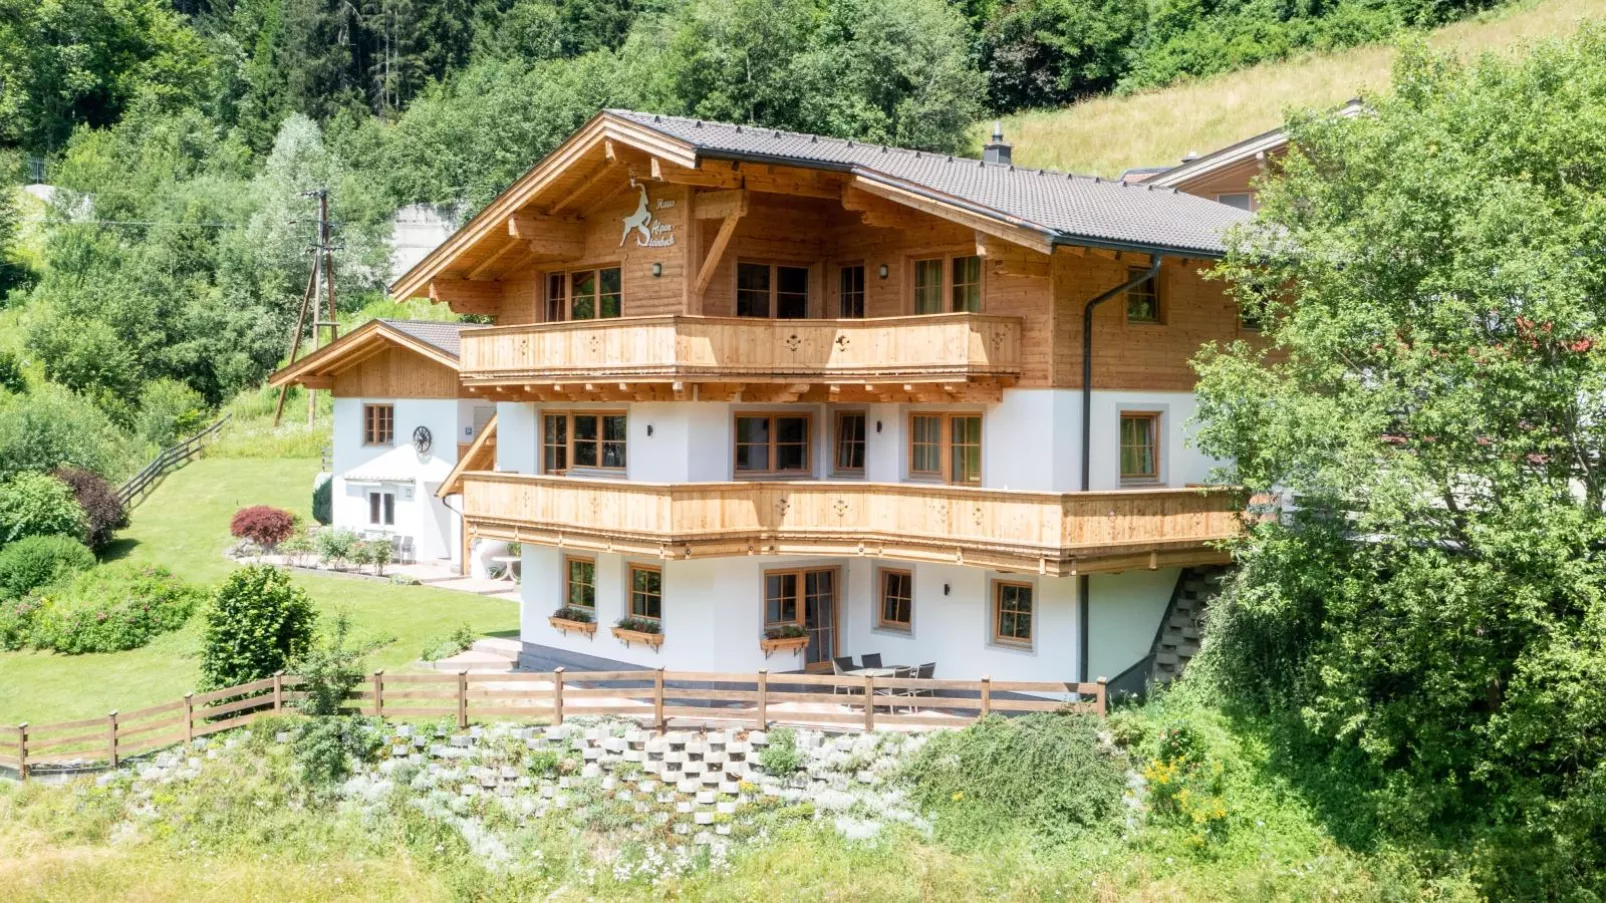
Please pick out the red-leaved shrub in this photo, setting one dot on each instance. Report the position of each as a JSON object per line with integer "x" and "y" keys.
{"x": 103, "y": 512}
{"x": 264, "y": 525}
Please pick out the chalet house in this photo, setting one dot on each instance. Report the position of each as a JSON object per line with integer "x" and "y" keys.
{"x": 911, "y": 404}
{"x": 402, "y": 416}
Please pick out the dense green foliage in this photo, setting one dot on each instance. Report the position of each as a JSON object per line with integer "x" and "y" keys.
{"x": 257, "y": 623}
{"x": 1431, "y": 620}
{"x": 28, "y": 564}
{"x": 323, "y": 502}
{"x": 111, "y": 608}
{"x": 50, "y": 427}
{"x": 103, "y": 511}
{"x": 37, "y": 504}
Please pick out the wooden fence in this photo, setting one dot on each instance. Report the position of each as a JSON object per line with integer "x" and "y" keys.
{"x": 168, "y": 461}
{"x": 759, "y": 700}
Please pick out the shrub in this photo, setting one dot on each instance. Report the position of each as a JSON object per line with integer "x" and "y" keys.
{"x": 323, "y": 502}
{"x": 103, "y": 512}
{"x": 780, "y": 757}
{"x": 264, "y": 525}
{"x": 1186, "y": 785}
{"x": 381, "y": 552}
{"x": 112, "y": 608}
{"x": 336, "y": 546}
{"x": 449, "y": 645}
{"x": 1049, "y": 774}
{"x": 17, "y": 617}
{"x": 258, "y": 623}
{"x": 168, "y": 411}
{"x": 11, "y": 378}
{"x": 325, "y": 747}
{"x": 37, "y": 504}
{"x": 330, "y": 670}
{"x": 30, "y": 563}
{"x": 50, "y": 427}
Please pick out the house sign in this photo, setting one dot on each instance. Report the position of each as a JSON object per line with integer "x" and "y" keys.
{"x": 651, "y": 232}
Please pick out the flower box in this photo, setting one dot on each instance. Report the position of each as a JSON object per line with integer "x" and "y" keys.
{"x": 636, "y": 636}
{"x": 793, "y": 644}
{"x": 566, "y": 625}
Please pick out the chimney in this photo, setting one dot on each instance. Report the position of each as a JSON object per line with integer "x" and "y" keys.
{"x": 996, "y": 151}
{"x": 1190, "y": 156}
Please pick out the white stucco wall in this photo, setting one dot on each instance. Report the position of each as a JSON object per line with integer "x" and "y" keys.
{"x": 1123, "y": 617}
{"x": 399, "y": 468}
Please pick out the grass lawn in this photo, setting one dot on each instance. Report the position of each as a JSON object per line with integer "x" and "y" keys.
{"x": 184, "y": 526}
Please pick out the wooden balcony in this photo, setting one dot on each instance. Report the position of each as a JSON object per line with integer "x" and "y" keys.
{"x": 674, "y": 356}
{"x": 1039, "y": 532}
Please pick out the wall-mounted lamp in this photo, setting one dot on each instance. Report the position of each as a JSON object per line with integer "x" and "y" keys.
{"x": 649, "y": 429}
{"x": 945, "y": 589}
{"x": 878, "y": 426}
{"x": 882, "y": 271}
{"x": 657, "y": 269}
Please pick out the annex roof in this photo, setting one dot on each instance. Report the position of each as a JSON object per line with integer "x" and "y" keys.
{"x": 1237, "y": 152}
{"x": 432, "y": 339}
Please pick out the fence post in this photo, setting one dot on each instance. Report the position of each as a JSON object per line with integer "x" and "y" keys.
{"x": 763, "y": 699}
{"x": 869, "y": 702}
{"x": 22, "y": 751}
{"x": 462, "y": 700}
{"x": 986, "y": 695}
{"x": 189, "y": 718}
{"x": 1102, "y": 701}
{"x": 557, "y": 695}
{"x": 278, "y": 691}
{"x": 111, "y": 738}
{"x": 379, "y": 693}
{"x": 658, "y": 699}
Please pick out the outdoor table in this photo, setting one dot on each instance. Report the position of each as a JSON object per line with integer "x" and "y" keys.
{"x": 507, "y": 566}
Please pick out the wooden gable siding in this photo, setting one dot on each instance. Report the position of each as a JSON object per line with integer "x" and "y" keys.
{"x": 396, "y": 373}
{"x": 1232, "y": 179}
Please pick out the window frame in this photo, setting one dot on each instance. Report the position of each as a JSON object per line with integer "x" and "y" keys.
{"x": 568, "y": 280}
{"x": 1248, "y": 196}
{"x": 384, "y": 502}
{"x": 836, "y": 442}
{"x": 842, "y": 270}
{"x": 570, "y": 442}
{"x": 1155, "y": 292}
{"x": 1015, "y": 641}
{"x": 370, "y": 422}
{"x": 882, "y": 621}
{"x": 630, "y": 591}
{"x": 774, "y": 288}
{"x": 802, "y": 575}
{"x": 945, "y": 447}
{"x": 769, "y": 471}
{"x": 568, "y": 581}
{"x": 1155, "y": 441}
{"x": 945, "y": 292}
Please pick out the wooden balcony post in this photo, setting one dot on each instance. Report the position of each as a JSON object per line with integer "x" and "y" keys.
{"x": 986, "y": 695}
{"x": 22, "y": 751}
{"x": 869, "y": 702}
{"x": 1102, "y": 700}
{"x": 763, "y": 699}
{"x": 111, "y": 738}
{"x": 462, "y": 700}
{"x": 658, "y": 699}
{"x": 189, "y": 718}
{"x": 557, "y": 695}
{"x": 278, "y": 691}
{"x": 379, "y": 693}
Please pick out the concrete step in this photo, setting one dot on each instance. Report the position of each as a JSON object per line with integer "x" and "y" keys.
{"x": 490, "y": 655}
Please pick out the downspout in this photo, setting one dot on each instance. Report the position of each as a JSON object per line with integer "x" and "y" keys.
{"x": 1084, "y": 585}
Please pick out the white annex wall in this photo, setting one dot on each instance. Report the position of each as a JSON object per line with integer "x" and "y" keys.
{"x": 1124, "y": 616}
{"x": 399, "y": 468}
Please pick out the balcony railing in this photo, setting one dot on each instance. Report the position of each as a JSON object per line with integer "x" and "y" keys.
{"x": 1045, "y": 532}
{"x": 936, "y": 347}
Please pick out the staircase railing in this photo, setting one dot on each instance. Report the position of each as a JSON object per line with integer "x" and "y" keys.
{"x": 169, "y": 460}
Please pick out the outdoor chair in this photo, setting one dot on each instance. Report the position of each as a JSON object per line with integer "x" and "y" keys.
{"x": 923, "y": 672}
{"x": 840, "y": 666}
{"x": 872, "y": 660}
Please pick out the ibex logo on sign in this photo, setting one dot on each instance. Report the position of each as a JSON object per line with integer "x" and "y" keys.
{"x": 650, "y": 232}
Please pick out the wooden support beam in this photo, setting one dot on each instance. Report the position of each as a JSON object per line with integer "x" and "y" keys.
{"x": 491, "y": 261}
{"x": 709, "y": 174}
{"x": 558, "y": 248}
{"x": 705, "y": 273}
{"x": 533, "y": 227}
{"x": 467, "y": 297}
{"x": 589, "y": 182}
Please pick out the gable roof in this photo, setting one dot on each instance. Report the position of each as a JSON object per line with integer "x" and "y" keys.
{"x": 1065, "y": 208}
{"x": 432, "y": 339}
{"x": 1221, "y": 158}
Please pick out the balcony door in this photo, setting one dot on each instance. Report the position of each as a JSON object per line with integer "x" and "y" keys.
{"x": 809, "y": 598}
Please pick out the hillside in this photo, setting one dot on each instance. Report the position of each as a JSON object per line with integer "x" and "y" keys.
{"x": 1107, "y": 134}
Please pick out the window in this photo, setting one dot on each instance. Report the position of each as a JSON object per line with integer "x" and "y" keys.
{"x": 582, "y": 439}
{"x": 772, "y": 443}
{"x": 378, "y": 424}
{"x": 1012, "y": 612}
{"x": 962, "y": 285}
{"x": 1143, "y": 299}
{"x": 849, "y": 457}
{"x": 646, "y": 592}
{"x": 580, "y": 582}
{"x": 852, "y": 291}
{"x": 1140, "y": 447}
{"x": 790, "y": 595}
{"x": 382, "y": 509}
{"x": 1243, "y": 200}
{"x": 584, "y": 294}
{"x": 762, "y": 288}
{"x": 946, "y": 446}
{"x": 897, "y": 599}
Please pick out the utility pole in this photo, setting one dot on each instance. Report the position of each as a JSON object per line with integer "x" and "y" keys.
{"x": 321, "y": 281}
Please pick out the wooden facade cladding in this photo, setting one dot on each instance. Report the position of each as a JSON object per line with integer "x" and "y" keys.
{"x": 397, "y": 373}
{"x": 1056, "y": 534}
{"x": 944, "y": 347}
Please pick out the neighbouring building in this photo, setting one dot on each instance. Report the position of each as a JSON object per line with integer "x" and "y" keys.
{"x": 402, "y": 419}
{"x": 748, "y": 379}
